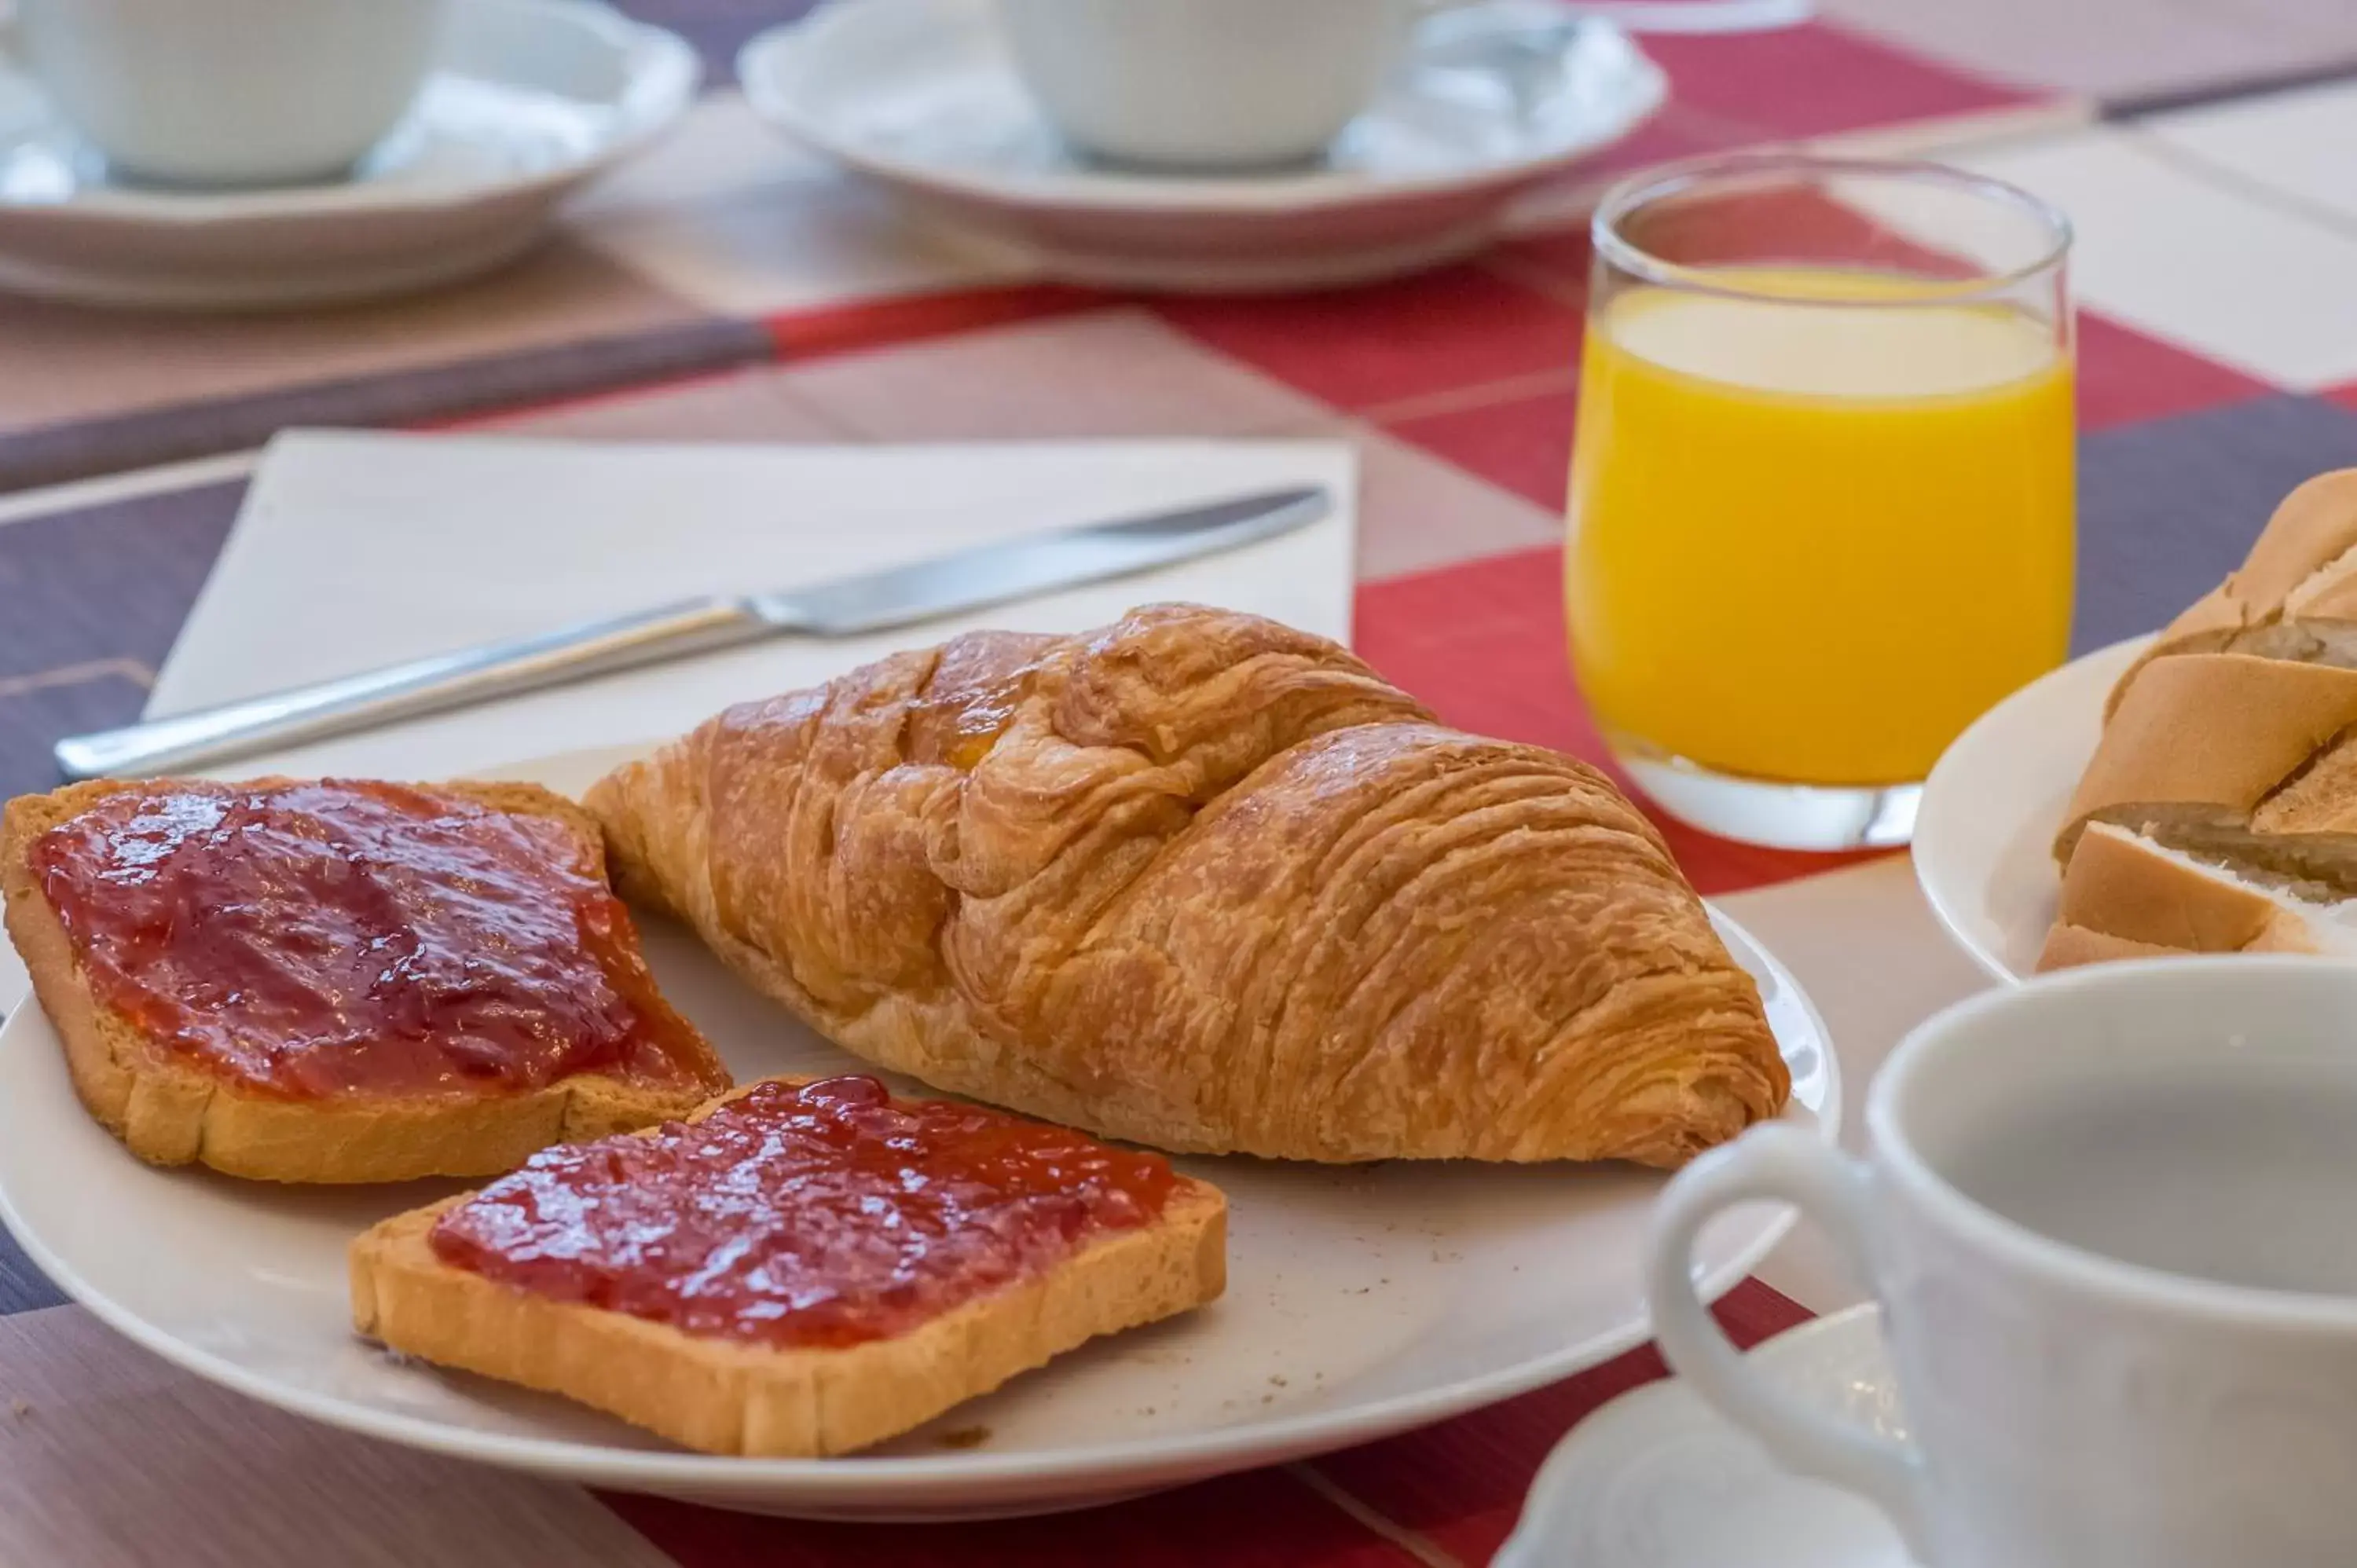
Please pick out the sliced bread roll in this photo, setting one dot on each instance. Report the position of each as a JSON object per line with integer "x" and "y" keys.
{"x": 2234, "y": 758}
{"x": 2295, "y": 596}
{"x": 2219, "y": 813}
{"x": 2125, "y": 896}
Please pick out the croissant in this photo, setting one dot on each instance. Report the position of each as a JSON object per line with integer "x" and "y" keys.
{"x": 1202, "y": 882}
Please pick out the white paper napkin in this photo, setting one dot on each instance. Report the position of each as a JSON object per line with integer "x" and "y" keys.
{"x": 358, "y": 549}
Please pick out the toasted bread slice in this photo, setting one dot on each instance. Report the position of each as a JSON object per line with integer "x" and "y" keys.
{"x": 724, "y": 1396}
{"x": 171, "y": 1109}
{"x": 2125, "y": 896}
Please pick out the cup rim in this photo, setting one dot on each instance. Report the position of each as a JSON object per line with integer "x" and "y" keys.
{"x": 2111, "y": 1279}
{"x": 1664, "y": 180}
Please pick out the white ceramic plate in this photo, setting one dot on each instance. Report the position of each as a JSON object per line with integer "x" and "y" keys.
{"x": 1660, "y": 1479}
{"x": 920, "y": 96}
{"x": 1991, "y": 809}
{"x": 1360, "y": 1300}
{"x": 528, "y": 99}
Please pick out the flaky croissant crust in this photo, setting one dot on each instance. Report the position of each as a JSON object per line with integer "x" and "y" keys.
{"x": 1202, "y": 882}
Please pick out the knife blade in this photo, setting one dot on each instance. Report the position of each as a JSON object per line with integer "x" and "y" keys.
{"x": 884, "y": 600}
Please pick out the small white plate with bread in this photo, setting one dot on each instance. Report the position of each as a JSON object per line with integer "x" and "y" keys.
{"x": 1363, "y": 1295}
{"x": 921, "y": 97}
{"x": 2189, "y": 793}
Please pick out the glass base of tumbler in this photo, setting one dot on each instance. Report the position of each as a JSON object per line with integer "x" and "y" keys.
{"x": 1762, "y": 812}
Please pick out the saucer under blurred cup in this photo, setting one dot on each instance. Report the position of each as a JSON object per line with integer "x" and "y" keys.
{"x": 2107, "y": 1216}
{"x": 1211, "y": 85}
{"x": 231, "y": 93}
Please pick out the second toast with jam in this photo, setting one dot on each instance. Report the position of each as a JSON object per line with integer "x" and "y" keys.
{"x": 801, "y": 1267}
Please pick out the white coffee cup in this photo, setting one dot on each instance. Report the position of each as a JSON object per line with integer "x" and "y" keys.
{"x": 231, "y": 91}
{"x": 1244, "y": 84}
{"x": 1205, "y": 83}
{"x": 2066, "y": 1407}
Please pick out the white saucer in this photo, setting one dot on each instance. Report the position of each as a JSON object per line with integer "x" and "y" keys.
{"x": 1992, "y": 807}
{"x": 1660, "y": 1479}
{"x": 920, "y": 96}
{"x": 1361, "y": 1301}
{"x": 528, "y": 98}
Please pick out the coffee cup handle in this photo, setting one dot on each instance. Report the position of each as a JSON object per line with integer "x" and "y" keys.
{"x": 1787, "y": 1164}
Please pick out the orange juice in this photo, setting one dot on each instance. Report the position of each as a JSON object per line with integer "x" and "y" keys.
{"x": 1811, "y": 542}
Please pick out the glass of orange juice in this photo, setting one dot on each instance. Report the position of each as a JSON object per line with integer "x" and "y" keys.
{"x": 1822, "y": 494}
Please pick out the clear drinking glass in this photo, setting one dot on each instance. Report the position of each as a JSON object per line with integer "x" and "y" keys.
{"x": 1822, "y": 496}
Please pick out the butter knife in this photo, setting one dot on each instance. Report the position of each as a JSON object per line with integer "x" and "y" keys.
{"x": 870, "y": 601}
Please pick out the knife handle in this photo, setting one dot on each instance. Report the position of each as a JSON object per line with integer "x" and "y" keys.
{"x": 421, "y": 686}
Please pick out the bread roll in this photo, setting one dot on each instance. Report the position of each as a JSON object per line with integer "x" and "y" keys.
{"x": 2234, "y": 758}
{"x": 2219, "y": 813}
{"x": 2295, "y": 596}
